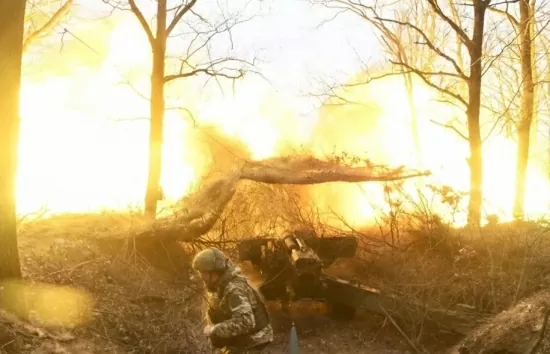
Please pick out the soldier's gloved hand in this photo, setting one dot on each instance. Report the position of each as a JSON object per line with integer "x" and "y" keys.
{"x": 208, "y": 330}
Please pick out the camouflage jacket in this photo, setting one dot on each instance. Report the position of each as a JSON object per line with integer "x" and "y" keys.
{"x": 237, "y": 306}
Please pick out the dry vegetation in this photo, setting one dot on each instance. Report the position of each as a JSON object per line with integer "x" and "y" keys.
{"x": 475, "y": 273}
{"x": 145, "y": 301}
{"x": 137, "y": 307}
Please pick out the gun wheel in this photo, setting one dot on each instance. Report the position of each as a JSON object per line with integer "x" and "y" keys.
{"x": 340, "y": 311}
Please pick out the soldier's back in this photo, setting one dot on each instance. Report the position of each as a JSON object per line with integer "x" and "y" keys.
{"x": 251, "y": 301}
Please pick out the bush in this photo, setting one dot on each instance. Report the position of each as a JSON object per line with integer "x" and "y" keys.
{"x": 429, "y": 263}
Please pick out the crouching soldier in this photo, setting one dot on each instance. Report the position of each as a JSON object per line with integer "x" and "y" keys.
{"x": 239, "y": 322}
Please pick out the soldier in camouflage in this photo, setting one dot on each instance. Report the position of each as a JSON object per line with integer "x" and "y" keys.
{"x": 239, "y": 322}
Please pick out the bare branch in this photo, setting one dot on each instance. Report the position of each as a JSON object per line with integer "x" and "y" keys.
{"x": 452, "y": 127}
{"x": 48, "y": 26}
{"x": 507, "y": 2}
{"x": 429, "y": 43}
{"x": 224, "y": 67}
{"x": 459, "y": 31}
{"x": 427, "y": 73}
{"x": 425, "y": 77}
{"x": 180, "y": 12}
{"x": 137, "y": 12}
{"x": 377, "y": 77}
{"x": 510, "y": 17}
{"x": 211, "y": 70}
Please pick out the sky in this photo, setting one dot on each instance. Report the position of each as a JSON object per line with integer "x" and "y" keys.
{"x": 76, "y": 79}
{"x": 296, "y": 50}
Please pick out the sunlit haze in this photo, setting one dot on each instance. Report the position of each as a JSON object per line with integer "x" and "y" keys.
{"x": 85, "y": 131}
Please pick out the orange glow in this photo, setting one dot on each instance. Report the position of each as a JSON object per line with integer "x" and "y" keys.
{"x": 385, "y": 136}
{"x": 80, "y": 160}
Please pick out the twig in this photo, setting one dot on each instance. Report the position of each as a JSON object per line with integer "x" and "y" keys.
{"x": 7, "y": 343}
{"x": 526, "y": 260}
{"x": 107, "y": 335}
{"x": 75, "y": 267}
{"x": 409, "y": 341}
{"x": 541, "y": 333}
{"x": 381, "y": 328}
{"x": 162, "y": 339}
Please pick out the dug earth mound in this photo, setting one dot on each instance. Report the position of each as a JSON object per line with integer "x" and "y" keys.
{"x": 143, "y": 306}
{"x": 521, "y": 329}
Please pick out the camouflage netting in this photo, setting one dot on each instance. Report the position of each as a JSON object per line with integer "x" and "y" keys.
{"x": 200, "y": 211}
{"x": 521, "y": 329}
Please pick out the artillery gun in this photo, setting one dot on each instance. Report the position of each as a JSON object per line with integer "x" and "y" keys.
{"x": 292, "y": 268}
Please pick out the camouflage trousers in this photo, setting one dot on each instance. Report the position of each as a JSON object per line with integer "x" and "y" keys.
{"x": 235, "y": 350}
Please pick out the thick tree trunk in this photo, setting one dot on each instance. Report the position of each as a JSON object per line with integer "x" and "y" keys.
{"x": 474, "y": 104}
{"x": 12, "y": 14}
{"x": 154, "y": 191}
{"x": 527, "y": 106}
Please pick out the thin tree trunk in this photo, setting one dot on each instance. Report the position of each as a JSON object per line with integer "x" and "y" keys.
{"x": 414, "y": 118}
{"x": 536, "y": 75}
{"x": 12, "y": 15}
{"x": 154, "y": 192}
{"x": 545, "y": 92}
{"x": 527, "y": 101}
{"x": 473, "y": 112}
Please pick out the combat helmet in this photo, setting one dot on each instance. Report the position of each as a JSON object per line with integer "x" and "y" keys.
{"x": 210, "y": 260}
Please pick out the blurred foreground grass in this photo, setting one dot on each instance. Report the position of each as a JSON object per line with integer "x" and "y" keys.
{"x": 46, "y": 305}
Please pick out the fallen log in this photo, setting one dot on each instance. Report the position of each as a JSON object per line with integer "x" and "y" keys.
{"x": 200, "y": 210}
{"x": 309, "y": 170}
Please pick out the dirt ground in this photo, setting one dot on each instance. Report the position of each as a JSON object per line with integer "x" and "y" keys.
{"x": 138, "y": 309}
{"x": 319, "y": 334}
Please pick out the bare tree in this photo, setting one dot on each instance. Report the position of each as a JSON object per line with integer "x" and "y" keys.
{"x": 12, "y": 18}
{"x": 41, "y": 19}
{"x": 199, "y": 32}
{"x": 447, "y": 74}
{"x": 395, "y": 40}
{"x": 526, "y": 46}
{"x": 519, "y": 81}
{"x": 524, "y": 27}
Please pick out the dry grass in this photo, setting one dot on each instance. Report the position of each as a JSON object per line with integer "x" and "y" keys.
{"x": 144, "y": 299}
{"x": 414, "y": 255}
{"x": 138, "y": 309}
{"x": 478, "y": 273}
{"x": 145, "y": 302}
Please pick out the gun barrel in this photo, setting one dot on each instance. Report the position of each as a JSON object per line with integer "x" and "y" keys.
{"x": 290, "y": 243}
{"x": 301, "y": 244}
